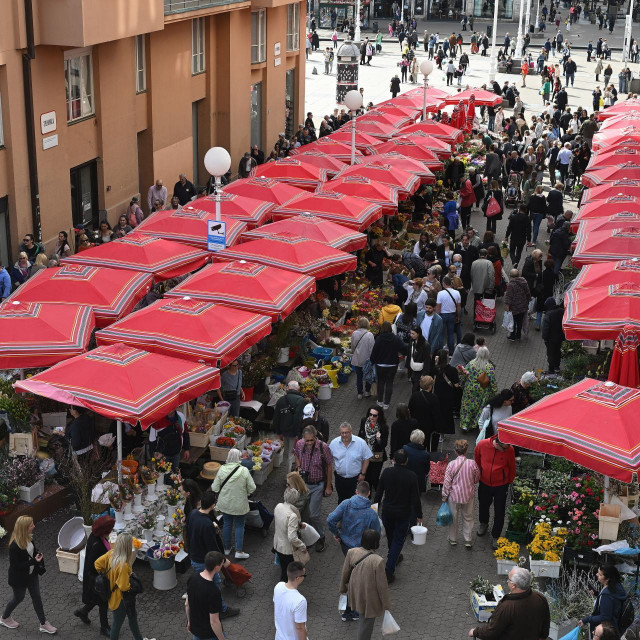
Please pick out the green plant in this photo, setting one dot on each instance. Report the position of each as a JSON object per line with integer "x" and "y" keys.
{"x": 520, "y": 516}
{"x": 562, "y": 465}
{"x": 569, "y": 596}
{"x": 482, "y": 587}
{"x": 529, "y": 465}
{"x": 258, "y": 369}
{"x": 15, "y": 406}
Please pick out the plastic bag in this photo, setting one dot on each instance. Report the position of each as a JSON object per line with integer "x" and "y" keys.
{"x": 389, "y": 625}
{"x": 444, "y": 517}
{"x": 507, "y": 321}
{"x": 483, "y": 432}
{"x": 342, "y": 602}
{"x": 572, "y": 635}
{"x": 309, "y": 535}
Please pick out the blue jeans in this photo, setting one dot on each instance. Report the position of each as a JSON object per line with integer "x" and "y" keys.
{"x": 449, "y": 320}
{"x": 396, "y": 530}
{"x": 229, "y": 521}
{"x": 199, "y": 567}
{"x": 398, "y": 280}
{"x": 537, "y": 221}
{"x": 492, "y": 121}
{"x": 360, "y": 379}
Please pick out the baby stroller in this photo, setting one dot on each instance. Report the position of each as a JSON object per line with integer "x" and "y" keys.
{"x": 513, "y": 195}
{"x": 484, "y": 316}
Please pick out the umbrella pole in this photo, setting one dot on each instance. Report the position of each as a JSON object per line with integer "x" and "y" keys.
{"x": 119, "y": 436}
{"x": 607, "y": 497}
{"x": 21, "y": 373}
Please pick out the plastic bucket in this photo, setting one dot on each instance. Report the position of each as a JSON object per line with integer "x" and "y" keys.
{"x": 419, "y": 534}
{"x": 324, "y": 392}
{"x": 333, "y": 376}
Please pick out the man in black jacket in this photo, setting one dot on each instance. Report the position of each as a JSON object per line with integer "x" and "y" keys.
{"x": 398, "y": 497}
{"x": 469, "y": 253}
{"x": 184, "y": 190}
{"x": 559, "y": 245}
{"x": 552, "y": 333}
{"x": 555, "y": 205}
{"x": 519, "y": 230}
{"x": 287, "y": 417}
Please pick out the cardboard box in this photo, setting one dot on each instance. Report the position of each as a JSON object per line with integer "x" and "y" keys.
{"x": 483, "y": 608}
{"x": 68, "y": 562}
{"x": 22, "y": 444}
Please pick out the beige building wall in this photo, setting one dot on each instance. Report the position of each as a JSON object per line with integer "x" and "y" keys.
{"x": 134, "y": 138}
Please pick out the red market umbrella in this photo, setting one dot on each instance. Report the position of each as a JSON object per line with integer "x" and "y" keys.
{"x": 402, "y": 163}
{"x": 607, "y": 273}
{"x": 618, "y": 221}
{"x": 615, "y": 138}
{"x": 340, "y": 150}
{"x": 292, "y": 171}
{"x": 378, "y": 129}
{"x": 264, "y": 189}
{"x": 123, "y": 383}
{"x": 606, "y": 245}
{"x": 604, "y": 175}
{"x": 483, "y": 97}
{"x": 330, "y": 164}
{"x": 313, "y": 228}
{"x": 248, "y": 210}
{"x": 396, "y": 121}
{"x": 441, "y": 148}
{"x": 354, "y": 213}
{"x": 364, "y": 142}
{"x": 406, "y": 183}
{"x": 600, "y": 313}
{"x": 624, "y": 187}
{"x": 623, "y": 369}
{"x": 416, "y": 102}
{"x": 435, "y": 129}
{"x": 432, "y": 92}
{"x": 192, "y": 329}
{"x": 383, "y": 195}
{"x": 111, "y": 293}
{"x": 411, "y": 150}
{"x": 140, "y": 252}
{"x": 569, "y": 424}
{"x": 625, "y": 106}
{"x": 631, "y": 119}
{"x": 35, "y": 335}
{"x": 599, "y": 209}
{"x": 188, "y": 226}
{"x": 246, "y": 285}
{"x": 614, "y": 157}
{"x": 407, "y": 111}
{"x": 293, "y": 253}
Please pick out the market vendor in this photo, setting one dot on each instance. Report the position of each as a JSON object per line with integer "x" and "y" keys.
{"x": 80, "y": 432}
{"x": 231, "y": 387}
{"x": 170, "y": 437}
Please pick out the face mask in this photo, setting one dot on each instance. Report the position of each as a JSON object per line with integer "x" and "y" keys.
{"x": 457, "y": 264}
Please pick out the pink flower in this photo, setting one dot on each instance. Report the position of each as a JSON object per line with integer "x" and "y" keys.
{"x": 578, "y": 501}
{"x": 538, "y": 508}
{"x": 577, "y": 530}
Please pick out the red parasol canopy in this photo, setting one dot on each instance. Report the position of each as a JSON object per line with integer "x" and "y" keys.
{"x": 569, "y": 424}
{"x": 248, "y": 210}
{"x": 192, "y": 329}
{"x": 264, "y": 189}
{"x": 188, "y": 227}
{"x": 613, "y": 157}
{"x": 245, "y": 285}
{"x": 383, "y": 195}
{"x": 313, "y": 228}
{"x": 622, "y": 107}
{"x": 606, "y": 245}
{"x": 292, "y": 171}
{"x": 324, "y": 161}
{"x": 615, "y": 138}
{"x": 624, "y": 187}
{"x": 606, "y": 273}
{"x": 293, "y": 253}
{"x": 402, "y": 163}
{"x": 603, "y": 175}
{"x": 435, "y": 129}
{"x": 34, "y": 335}
{"x": 123, "y": 383}
{"x": 623, "y": 369}
{"x": 340, "y": 150}
{"x": 354, "y": 213}
{"x": 111, "y": 293}
{"x": 438, "y": 146}
{"x": 396, "y": 121}
{"x": 441, "y": 94}
{"x": 618, "y": 221}
{"x": 483, "y": 97}
{"x": 411, "y": 150}
{"x": 626, "y": 121}
{"x": 406, "y": 183}
{"x": 364, "y": 142}
{"x": 140, "y": 252}
{"x": 399, "y": 110}
{"x": 599, "y": 209}
{"x": 377, "y": 129}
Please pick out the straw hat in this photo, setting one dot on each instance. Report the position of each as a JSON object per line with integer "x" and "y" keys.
{"x": 210, "y": 470}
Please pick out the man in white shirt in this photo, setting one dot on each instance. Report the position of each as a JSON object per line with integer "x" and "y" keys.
{"x": 290, "y": 606}
{"x": 157, "y": 193}
{"x": 448, "y": 307}
{"x": 350, "y": 460}
{"x": 564, "y": 158}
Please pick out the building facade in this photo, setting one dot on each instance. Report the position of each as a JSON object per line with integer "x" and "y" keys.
{"x": 99, "y": 99}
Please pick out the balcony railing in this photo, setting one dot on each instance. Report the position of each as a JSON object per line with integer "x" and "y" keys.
{"x": 180, "y": 6}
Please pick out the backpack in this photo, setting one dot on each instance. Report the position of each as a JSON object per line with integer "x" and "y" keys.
{"x": 627, "y": 615}
{"x": 102, "y": 587}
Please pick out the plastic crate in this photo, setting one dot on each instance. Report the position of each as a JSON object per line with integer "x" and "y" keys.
{"x": 68, "y": 562}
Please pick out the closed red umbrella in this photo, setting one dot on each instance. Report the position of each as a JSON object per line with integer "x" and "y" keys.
{"x": 192, "y": 329}
{"x": 607, "y": 273}
{"x": 246, "y": 285}
{"x": 265, "y": 189}
{"x": 483, "y": 97}
{"x": 613, "y": 157}
{"x": 607, "y": 245}
{"x": 139, "y": 252}
{"x": 354, "y": 213}
{"x": 471, "y": 114}
{"x": 603, "y": 175}
{"x": 624, "y": 187}
{"x": 364, "y": 142}
{"x": 323, "y": 161}
{"x": 340, "y": 150}
{"x": 293, "y": 253}
{"x": 35, "y": 335}
{"x": 569, "y": 424}
{"x": 292, "y": 171}
{"x": 435, "y": 129}
{"x": 248, "y": 210}
{"x": 111, "y": 293}
{"x": 402, "y": 163}
{"x": 123, "y": 383}
{"x": 441, "y": 148}
{"x": 605, "y": 208}
{"x": 406, "y": 183}
{"x": 623, "y": 369}
{"x": 188, "y": 226}
{"x": 313, "y": 228}
{"x": 383, "y": 195}
{"x": 411, "y": 150}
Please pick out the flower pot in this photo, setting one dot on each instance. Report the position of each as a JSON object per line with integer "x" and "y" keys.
{"x": 137, "y": 503}
{"x": 324, "y": 392}
{"x": 171, "y": 509}
{"x": 159, "y": 530}
{"x": 119, "y": 526}
{"x": 160, "y": 485}
{"x": 504, "y": 566}
{"x": 128, "y": 515}
{"x": 151, "y": 492}
{"x": 545, "y": 568}
{"x": 165, "y": 580}
{"x": 248, "y": 393}
{"x": 608, "y": 521}
{"x": 147, "y": 534}
{"x": 29, "y": 494}
{"x": 283, "y": 355}
{"x": 559, "y": 630}
{"x": 87, "y": 529}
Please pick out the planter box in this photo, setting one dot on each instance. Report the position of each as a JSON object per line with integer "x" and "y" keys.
{"x": 219, "y": 454}
{"x": 29, "y": 494}
{"x": 259, "y": 477}
{"x": 68, "y": 562}
{"x": 200, "y": 439}
{"x": 504, "y": 566}
{"x": 545, "y": 568}
{"x": 483, "y": 608}
{"x": 557, "y": 631}
{"x": 608, "y": 521}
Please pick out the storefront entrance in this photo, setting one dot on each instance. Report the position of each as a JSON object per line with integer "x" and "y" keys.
{"x": 84, "y": 195}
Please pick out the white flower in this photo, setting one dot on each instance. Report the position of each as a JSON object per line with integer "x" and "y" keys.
{"x": 3, "y": 532}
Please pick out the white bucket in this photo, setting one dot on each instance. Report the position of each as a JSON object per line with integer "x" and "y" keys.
{"x": 165, "y": 580}
{"x": 419, "y": 534}
{"x": 283, "y": 355}
{"x": 324, "y": 392}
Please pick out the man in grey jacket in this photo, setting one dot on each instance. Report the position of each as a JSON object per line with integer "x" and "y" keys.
{"x": 482, "y": 275}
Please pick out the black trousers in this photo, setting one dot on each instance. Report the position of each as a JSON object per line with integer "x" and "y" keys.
{"x": 515, "y": 249}
{"x": 385, "y": 376}
{"x": 554, "y": 355}
{"x": 345, "y": 487}
{"x": 497, "y": 496}
{"x": 285, "y": 560}
{"x": 465, "y": 216}
{"x": 491, "y": 224}
{"x": 102, "y": 609}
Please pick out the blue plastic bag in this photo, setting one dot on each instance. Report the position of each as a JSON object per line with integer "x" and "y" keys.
{"x": 444, "y": 517}
{"x": 572, "y": 635}
{"x": 369, "y": 372}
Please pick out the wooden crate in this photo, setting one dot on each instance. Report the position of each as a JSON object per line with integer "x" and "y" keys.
{"x": 23, "y": 444}
{"x": 200, "y": 439}
{"x": 218, "y": 454}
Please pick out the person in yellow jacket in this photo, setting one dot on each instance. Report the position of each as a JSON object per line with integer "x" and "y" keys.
{"x": 389, "y": 312}
{"x": 117, "y": 564}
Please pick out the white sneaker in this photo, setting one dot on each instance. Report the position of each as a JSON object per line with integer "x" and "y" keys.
{"x": 380, "y": 404}
{"x": 385, "y": 406}
{"x": 9, "y": 622}
{"x": 227, "y": 552}
{"x": 47, "y": 627}
{"x": 240, "y": 555}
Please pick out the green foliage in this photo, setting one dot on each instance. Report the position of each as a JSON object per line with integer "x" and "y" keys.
{"x": 482, "y": 587}
{"x": 15, "y": 405}
{"x": 556, "y": 463}
{"x": 569, "y": 596}
{"x": 520, "y": 516}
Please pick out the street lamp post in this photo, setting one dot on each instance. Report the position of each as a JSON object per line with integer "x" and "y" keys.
{"x": 493, "y": 63}
{"x": 537, "y": 15}
{"x": 527, "y": 20}
{"x": 518, "y": 53}
{"x": 426, "y": 67}
{"x": 217, "y": 162}
{"x": 353, "y": 102}
{"x": 356, "y": 35}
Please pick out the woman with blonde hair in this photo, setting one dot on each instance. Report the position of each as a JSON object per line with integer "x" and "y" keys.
{"x": 117, "y": 565}
{"x": 479, "y": 385}
{"x": 286, "y": 541}
{"x": 295, "y": 481}
{"x": 26, "y": 564}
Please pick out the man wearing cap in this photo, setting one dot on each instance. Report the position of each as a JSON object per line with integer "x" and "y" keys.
{"x": 287, "y": 417}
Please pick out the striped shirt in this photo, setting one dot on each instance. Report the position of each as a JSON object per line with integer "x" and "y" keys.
{"x": 463, "y": 487}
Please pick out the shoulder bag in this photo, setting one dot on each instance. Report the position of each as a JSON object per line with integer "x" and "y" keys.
{"x": 227, "y": 479}
{"x": 415, "y": 366}
{"x": 484, "y": 380}
{"x": 493, "y": 208}
{"x": 102, "y": 587}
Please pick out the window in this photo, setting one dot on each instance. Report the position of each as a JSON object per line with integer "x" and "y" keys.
{"x": 256, "y": 114}
{"x": 197, "y": 46}
{"x": 1, "y": 128}
{"x": 141, "y": 64}
{"x": 293, "y": 27}
{"x": 78, "y": 72}
{"x": 258, "y": 36}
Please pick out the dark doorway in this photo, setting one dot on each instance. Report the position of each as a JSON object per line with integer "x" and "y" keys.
{"x": 84, "y": 195}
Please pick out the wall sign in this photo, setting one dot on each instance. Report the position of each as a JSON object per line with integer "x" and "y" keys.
{"x": 276, "y": 49}
{"x": 48, "y": 122}
{"x": 50, "y": 142}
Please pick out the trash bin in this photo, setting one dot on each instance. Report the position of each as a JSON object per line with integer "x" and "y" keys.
{"x": 531, "y": 28}
{"x": 489, "y": 30}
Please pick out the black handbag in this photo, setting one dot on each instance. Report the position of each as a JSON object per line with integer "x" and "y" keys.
{"x": 135, "y": 583}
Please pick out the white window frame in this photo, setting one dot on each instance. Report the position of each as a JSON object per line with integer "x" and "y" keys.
{"x": 293, "y": 27}
{"x": 259, "y": 48}
{"x": 1, "y": 125}
{"x": 197, "y": 46}
{"x": 140, "y": 52}
{"x": 86, "y": 103}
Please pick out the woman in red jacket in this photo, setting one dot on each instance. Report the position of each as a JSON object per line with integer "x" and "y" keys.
{"x": 467, "y": 200}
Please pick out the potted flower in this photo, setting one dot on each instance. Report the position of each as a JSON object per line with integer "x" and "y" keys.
{"x": 569, "y": 601}
{"x": 115, "y": 500}
{"x": 546, "y": 549}
{"x": 28, "y": 477}
{"x": 8, "y": 497}
{"x": 507, "y": 555}
{"x": 149, "y": 476}
{"x": 147, "y": 523}
{"x": 484, "y": 597}
{"x": 172, "y": 497}
{"x": 520, "y": 514}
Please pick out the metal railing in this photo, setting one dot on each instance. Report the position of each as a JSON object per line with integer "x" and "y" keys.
{"x": 179, "y": 6}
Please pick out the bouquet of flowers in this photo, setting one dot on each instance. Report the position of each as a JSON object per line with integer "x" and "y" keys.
{"x": 26, "y": 471}
{"x": 3, "y": 532}
{"x": 161, "y": 464}
{"x": 224, "y": 441}
{"x": 137, "y": 544}
{"x": 172, "y": 496}
{"x": 232, "y": 430}
{"x": 126, "y": 492}
{"x": 178, "y": 516}
{"x": 169, "y": 547}
{"x": 174, "y": 529}
{"x": 115, "y": 499}
{"x": 148, "y": 475}
{"x": 507, "y": 550}
{"x": 147, "y": 521}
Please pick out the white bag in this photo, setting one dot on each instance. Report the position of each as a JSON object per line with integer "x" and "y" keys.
{"x": 342, "y": 602}
{"x": 416, "y": 366}
{"x": 507, "y": 321}
{"x": 532, "y": 305}
{"x": 309, "y": 535}
{"x": 389, "y": 625}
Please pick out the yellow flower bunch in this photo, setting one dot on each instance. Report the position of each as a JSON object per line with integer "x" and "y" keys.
{"x": 543, "y": 528}
{"x": 507, "y": 550}
{"x": 551, "y": 556}
{"x": 545, "y": 545}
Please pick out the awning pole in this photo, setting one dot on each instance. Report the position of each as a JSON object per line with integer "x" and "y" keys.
{"x": 119, "y": 436}
{"x": 607, "y": 497}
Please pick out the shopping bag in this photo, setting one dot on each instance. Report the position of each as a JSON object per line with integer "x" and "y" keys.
{"x": 309, "y": 535}
{"x": 444, "y": 517}
{"x": 342, "y": 602}
{"x": 389, "y": 625}
{"x": 572, "y": 635}
{"x": 507, "y": 321}
{"x": 483, "y": 432}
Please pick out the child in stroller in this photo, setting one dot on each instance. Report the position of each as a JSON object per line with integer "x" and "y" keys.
{"x": 513, "y": 195}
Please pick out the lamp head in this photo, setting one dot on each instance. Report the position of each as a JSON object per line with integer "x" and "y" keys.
{"x": 217, "y": 161}
{"x": 426, "y": 67}
{"x": 353, "y": 100}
